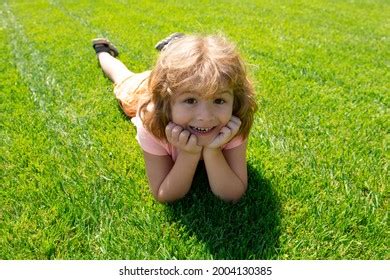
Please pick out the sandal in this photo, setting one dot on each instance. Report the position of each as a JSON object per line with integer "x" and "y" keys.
{"x": 161, "y": 45}
{"x": 104, "y": 45}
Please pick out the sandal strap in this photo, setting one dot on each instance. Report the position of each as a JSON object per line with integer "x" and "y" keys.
{"x": 103, "y": 48}
{"x": 161, "y": 45}
{"x": 103, "y": 45}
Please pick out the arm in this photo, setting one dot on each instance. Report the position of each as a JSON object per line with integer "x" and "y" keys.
{"x": 170, "y": 180}
{"x": 227, "y": 172}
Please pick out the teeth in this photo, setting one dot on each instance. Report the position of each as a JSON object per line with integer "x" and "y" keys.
{"x": 200, "y": 129}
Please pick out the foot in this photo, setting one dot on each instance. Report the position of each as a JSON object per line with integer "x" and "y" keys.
{"x": 160, "y": 46}
{"x": 104, "y": 45}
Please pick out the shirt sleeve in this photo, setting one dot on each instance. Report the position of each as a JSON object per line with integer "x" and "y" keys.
{"x": 148, "y": 142}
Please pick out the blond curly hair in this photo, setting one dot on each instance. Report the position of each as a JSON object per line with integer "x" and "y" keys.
{"x": 203, "y": 64}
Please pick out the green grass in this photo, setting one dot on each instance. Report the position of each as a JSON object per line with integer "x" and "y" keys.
{"x": 73, "y": 182}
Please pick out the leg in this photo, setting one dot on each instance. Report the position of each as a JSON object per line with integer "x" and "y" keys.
{"x": 106, "y": 53}
{"x": 113, "y": 68}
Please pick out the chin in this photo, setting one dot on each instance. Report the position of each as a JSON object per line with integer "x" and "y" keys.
{"x": 204, "y": 141}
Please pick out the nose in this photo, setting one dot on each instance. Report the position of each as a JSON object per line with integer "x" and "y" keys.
{"x": 204, "y": 112}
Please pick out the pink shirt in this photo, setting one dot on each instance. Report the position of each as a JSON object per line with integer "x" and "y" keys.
{"x": 152, "y": 145}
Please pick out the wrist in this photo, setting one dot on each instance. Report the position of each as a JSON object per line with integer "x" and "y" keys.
{"x": 192, "y": 153}
{"x": 211, "y": 151}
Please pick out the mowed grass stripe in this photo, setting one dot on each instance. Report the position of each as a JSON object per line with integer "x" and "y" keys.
{"x": 46, "y": 92}
{"x": 52, "y": 182}
{"x": 70, "y": 101}
{"x": 31, "y": 178}
{"x": 84, "y": 100}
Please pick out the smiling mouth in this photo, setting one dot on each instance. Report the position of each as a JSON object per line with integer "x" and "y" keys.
{"x": 201, "y": 130}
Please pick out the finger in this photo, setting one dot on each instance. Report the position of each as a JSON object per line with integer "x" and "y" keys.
{"x": 171, "y": 125}
{"x": 222, "y": 137}
{"x": 176, "y": 132}
{"x": 234, "y": 127}
{"x": 193, "y": 140}
{"x": 168, "y": 130}
{"x": 183, "y": 137}
{"x": 235, "y": 120}
{"x": 232, "y": 124}
{"x": 225, "y": 132}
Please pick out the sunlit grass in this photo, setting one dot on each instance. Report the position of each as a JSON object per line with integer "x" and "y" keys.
{"x": 73, "y": 182}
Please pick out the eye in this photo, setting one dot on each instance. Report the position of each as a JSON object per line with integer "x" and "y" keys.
{"x": 219, "y": 101}
{"x": 190, "y": 101}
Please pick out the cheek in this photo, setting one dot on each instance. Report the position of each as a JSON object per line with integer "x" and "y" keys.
{"x": 174, "y": 112}
{"x": 226, "y": 115}
{"x": 178, "y": 115}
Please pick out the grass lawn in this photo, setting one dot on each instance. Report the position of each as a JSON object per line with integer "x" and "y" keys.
{"x": 72, "y": 181}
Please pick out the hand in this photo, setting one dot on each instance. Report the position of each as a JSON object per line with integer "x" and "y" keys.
{"x": 182, "y": 139}
{"x": 226, "y": 134}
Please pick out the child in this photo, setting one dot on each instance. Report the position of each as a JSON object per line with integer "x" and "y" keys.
{"x": 196, "y": 104}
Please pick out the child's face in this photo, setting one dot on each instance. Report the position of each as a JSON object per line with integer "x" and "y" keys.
{"x": 202, "y": 116}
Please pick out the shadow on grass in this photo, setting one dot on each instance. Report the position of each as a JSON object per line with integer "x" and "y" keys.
{"x": 248, "y": 229}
